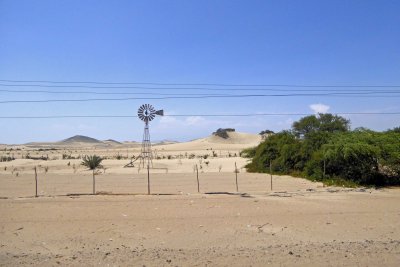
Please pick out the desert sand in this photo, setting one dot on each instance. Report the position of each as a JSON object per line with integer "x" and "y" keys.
{"x": 297, "y": 223}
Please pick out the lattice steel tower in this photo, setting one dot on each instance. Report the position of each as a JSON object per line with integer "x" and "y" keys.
{"x": 147, "y": 113}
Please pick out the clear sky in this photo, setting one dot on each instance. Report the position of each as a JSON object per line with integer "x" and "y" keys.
{"x": 231, "y": 42}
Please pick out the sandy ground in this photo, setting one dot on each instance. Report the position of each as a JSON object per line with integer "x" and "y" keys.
{"x": 297, "y": 223}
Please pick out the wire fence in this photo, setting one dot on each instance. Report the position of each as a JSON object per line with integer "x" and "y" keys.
{"x": 44, "y": 184}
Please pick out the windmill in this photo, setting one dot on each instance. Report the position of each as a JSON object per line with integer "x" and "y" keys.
{"x": 147, "y": 113}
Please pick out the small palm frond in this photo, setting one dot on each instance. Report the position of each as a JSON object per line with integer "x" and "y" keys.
{"x": 92, "y": 162}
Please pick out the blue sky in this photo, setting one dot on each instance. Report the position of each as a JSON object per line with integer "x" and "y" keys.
{"x": 233, "y": 42}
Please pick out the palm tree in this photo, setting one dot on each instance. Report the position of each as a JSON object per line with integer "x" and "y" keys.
{"x": 92, "y": 162}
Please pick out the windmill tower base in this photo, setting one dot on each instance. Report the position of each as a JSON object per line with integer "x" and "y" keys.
{"x": 146, "y": 155}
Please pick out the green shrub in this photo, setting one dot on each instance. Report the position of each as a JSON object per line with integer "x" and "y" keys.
{"x": 323, "y": 150}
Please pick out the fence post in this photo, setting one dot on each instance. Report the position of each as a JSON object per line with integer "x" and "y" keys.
{"x": 94, "y": 183}
{"x": 270, "y": 171}
{"x": 236, "y": 172}
{"x": 148, "y": 179}
{"x": 197, "y": 175}
{"x": 36, "y": 194}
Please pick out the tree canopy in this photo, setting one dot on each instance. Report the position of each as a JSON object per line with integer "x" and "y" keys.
{"x": 320, "y": 123}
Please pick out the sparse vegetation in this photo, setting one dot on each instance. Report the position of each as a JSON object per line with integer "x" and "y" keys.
{"x": 6, "y": 158}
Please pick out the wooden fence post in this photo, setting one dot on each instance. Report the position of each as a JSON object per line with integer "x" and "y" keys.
{"x": 198, "y": 183}
{"x": 236, "y": 172}
{"x": 36, "y": 194}
{"x": 148, "y": 179}
{"x": 94, "y": 183}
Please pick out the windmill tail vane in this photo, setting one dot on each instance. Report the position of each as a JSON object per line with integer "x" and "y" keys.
{"x": 147, "y": 113}
{"x": 160, "y": 112}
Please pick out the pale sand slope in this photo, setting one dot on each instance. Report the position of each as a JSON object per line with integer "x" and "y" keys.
{"x": 237, "y": 141}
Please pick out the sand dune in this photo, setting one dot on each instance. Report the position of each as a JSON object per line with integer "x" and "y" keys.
{"x": 237, "y": 141}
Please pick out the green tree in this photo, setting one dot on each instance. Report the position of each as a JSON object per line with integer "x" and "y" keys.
{"x": 333, "y": 123}
{"x": 320, "y": 123}
{"x": 93, "y": 163}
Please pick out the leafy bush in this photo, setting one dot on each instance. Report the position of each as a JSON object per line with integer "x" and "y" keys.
{"x": 321, "y": 148}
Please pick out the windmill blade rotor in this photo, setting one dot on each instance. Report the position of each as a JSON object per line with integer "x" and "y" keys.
{"x": 147, "y": 112}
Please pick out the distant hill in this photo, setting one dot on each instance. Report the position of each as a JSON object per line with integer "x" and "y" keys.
{"x": 80, "y": 139}
{"x": 112, "y": 142}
